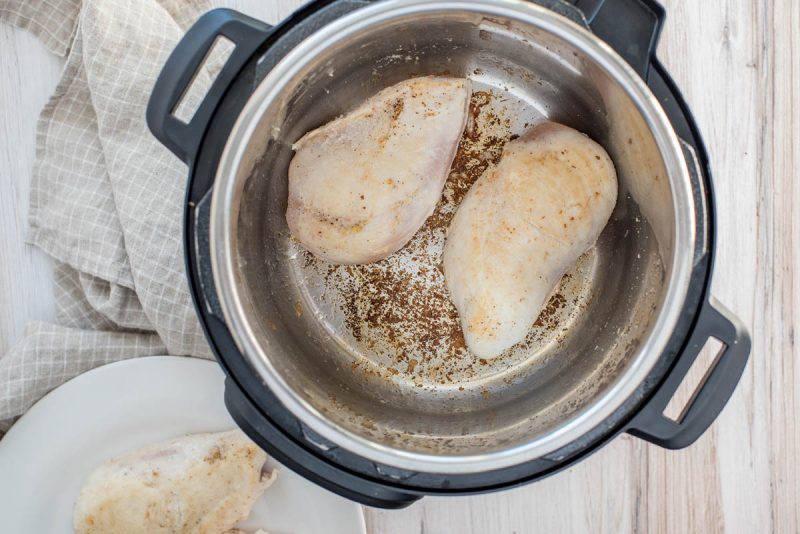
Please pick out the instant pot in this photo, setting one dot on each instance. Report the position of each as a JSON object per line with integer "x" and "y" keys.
{"x": 612, "y": 366}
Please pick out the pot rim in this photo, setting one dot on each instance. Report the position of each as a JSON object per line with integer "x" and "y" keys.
{"x": 222, "y": 222}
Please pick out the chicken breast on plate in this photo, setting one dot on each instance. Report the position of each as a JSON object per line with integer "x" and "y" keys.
{"x": 199, "y": 484}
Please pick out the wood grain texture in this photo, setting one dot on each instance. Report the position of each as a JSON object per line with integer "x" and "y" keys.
{"x": 738, "y": 63}
{"x": 28, "y": 75}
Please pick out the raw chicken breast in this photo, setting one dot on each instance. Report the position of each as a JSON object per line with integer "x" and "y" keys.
{"x": 200, "y": 484}
{"x": 519, "y": 229}
{"x": 361, "y": 186}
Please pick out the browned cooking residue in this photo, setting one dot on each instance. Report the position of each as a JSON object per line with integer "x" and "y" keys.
{"x": 400, "y": 307}
{"x": 482, "y": 145}
{"x": 549, "y": 315}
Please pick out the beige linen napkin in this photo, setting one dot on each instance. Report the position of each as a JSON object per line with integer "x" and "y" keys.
{"x": 106, "y": 197}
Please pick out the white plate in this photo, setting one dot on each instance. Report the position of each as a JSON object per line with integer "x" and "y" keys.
{"x": 117, "y": 408}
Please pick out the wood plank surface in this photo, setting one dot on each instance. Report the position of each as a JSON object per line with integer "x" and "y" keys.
{"x": 738, "y": 63}
{"x": 28, "y": 75}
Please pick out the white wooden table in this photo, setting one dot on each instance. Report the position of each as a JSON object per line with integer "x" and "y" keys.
{"x": 738, "y": 63}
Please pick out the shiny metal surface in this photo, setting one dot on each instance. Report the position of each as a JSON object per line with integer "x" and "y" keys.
{"x": 620, "y": 304}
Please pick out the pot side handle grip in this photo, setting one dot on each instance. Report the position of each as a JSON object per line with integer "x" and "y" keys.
{"x": 246, "y": 34}
{"x": 711, "y": 395}
{"x": 631, "y": 27}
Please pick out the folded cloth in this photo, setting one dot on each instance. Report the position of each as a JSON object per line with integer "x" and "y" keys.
{"x": 106, "y": 196}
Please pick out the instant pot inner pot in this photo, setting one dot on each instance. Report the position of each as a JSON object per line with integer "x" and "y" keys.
{"x": 374, "y": 370}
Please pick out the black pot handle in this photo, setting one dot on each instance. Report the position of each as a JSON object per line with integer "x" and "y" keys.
{"x": 246, "y": 34}
{"x": 631, "y": 27}
{"x": 713, "y": 393}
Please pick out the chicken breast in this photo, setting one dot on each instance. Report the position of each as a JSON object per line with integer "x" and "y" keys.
{"x": 361, "y": 186}
{"x": 200, "y": 484}
{"x": 521, "y": 226}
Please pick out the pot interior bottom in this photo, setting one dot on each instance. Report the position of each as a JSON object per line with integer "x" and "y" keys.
{"x": 398, "y": 335}
{"x": 394, "y": 318}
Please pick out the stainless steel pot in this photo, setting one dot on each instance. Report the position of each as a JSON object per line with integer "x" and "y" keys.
{"x": 625, "y": 305}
